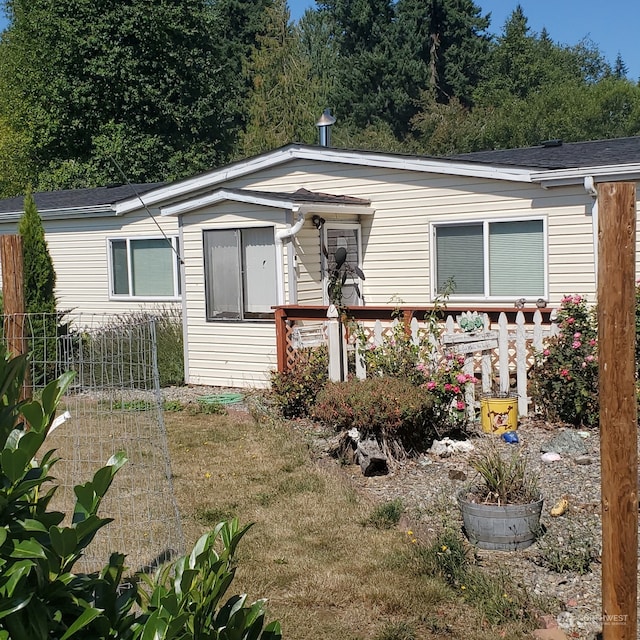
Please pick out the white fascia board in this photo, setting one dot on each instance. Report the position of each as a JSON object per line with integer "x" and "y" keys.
{"x": 322, "y": 154}
{"x": 206, "y": 180}
{"x": 414, "y": 163}
{"x": 604, "y": 173}
{"x": 261, "y": 199}
{"x": 219, "y": 196}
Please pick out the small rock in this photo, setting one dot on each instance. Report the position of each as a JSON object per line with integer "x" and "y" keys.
{"x": 572, "y": 602}
{"x": 457, "y": 474}
{"x": 566, "y": 441}
{"x": 550, "y": 456}
{"x": 447, "y": 447}
{"x": 584, "y": 460}
{"x": 547, "y": 621}
{"x": 549, "y": 634}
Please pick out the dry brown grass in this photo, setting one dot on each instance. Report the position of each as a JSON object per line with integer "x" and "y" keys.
{"x": 325, "y": 574}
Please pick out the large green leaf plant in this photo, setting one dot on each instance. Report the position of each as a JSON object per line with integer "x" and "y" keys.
{"x": 41, "y": 597}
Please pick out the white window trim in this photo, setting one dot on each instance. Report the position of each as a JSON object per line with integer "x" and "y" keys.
{"x": 485, "y": 222}
{"x": 176, "y": 297}
{"x": 237, "y": 227}
{"x": 327, "y": 226}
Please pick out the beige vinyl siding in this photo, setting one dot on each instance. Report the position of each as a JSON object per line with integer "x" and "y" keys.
{"x": 225, "y": 353}
{"x": 79, "y": 250}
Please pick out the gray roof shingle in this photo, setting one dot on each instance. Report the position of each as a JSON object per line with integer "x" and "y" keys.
{"x": 78, "y": 198}
{"x": 559, "y": 155}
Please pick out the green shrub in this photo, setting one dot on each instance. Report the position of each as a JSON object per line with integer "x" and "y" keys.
{"x": 170, "y": 340}
{"x": 391, "y": 410}
{"x": 575, "y": 550}
{"x": 564, "y": 379}
{"x": 294, "y": 391}
{"x": 185, "y": 599}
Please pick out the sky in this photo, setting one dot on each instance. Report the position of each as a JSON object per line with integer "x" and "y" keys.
{"x": 612, "y": 26}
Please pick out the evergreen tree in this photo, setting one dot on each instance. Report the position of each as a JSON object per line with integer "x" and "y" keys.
{"x": 620, "y": 69}
{"x": 39, "y": 294}
{"x": 365, "y": 91}
{"x": 287, "y": 98}
{"x": 39, "y": 275}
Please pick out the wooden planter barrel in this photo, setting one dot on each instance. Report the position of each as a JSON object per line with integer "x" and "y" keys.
{"x": 502, "y": 528}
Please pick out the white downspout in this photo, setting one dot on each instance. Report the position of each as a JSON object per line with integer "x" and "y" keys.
{"x": 281, "y": 236}
{"x": 590, "y": 187}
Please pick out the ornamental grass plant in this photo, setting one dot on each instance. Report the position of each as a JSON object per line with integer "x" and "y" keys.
{"x": 504, "y": 478}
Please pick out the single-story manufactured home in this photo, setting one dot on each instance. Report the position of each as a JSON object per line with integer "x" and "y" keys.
{"x": 229, "y": 245}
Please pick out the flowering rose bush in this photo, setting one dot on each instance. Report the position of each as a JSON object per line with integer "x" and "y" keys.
{"x": 446, "y": 383}
{"x": 564, "y": 379}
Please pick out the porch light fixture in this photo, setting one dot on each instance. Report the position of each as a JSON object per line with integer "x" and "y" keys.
{"x": 318, "y": 221}
{"x": 324, "y": 127}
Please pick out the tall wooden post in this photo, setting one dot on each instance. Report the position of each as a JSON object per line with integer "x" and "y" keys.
{"x": 13, "y": 293}
{"x": 618, "y": 412}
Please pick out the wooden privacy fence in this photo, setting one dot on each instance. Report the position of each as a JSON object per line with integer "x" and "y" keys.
{"x": 500, "y": 354}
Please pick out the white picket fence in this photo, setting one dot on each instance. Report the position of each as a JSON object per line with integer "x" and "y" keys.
{"x": 500, "y": 352}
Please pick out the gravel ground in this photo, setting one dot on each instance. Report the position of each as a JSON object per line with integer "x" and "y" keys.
{"x": 428, "y": 487}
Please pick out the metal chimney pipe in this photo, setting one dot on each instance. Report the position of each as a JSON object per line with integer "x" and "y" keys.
{"x": 324, "y": 127}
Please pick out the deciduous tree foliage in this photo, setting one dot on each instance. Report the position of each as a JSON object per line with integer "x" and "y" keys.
{"x": 156, "y": 85}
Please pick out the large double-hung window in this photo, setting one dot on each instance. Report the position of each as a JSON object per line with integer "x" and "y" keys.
{"x": 240, "y": 273}
{"x": 146, "y": 268}
{"x": 491, "y": 259}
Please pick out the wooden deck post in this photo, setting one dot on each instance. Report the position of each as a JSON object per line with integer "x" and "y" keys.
{"x": 281, "y": 339}
{"x": 618, "y": 412}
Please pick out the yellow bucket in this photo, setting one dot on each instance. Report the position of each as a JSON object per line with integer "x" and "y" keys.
{"x": 498, "y": 415}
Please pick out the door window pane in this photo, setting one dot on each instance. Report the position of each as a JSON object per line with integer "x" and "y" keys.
{"x": 222, "y": 281}
{"x": 259, "y": 271}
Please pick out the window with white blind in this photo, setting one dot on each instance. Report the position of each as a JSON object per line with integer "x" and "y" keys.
{"x": 240, "y": 273}
{"x": 145, "y": 268}
{"x": 491, "y": 259}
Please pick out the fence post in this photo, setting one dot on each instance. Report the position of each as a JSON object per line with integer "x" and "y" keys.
{"x": 334, "y": 340}
{"x": 281, "y": 339}
{"x": 521, "y": 365}
{"x": 503, "y": 352}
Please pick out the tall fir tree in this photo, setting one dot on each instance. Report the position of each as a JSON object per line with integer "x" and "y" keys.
{"x": 287, "y": 97}
{"x": 39, "y": 274}
{"x": 39, "y": 295}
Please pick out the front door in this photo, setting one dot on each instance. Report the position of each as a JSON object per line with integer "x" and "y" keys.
{"x": 343, "y": 236}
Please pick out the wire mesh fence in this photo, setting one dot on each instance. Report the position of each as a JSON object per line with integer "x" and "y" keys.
{"x": 114, "y": 404}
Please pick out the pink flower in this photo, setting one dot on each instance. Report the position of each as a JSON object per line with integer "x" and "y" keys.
{"x": 590, "y": 358}
{"x": 431, "y": 385}
{"x": 447, "y": 386}
{"x": 584, "y": 365}
{"x": 462, "y": 378}
{"x": 460, "y": 405}
{"x": 576, "y": 299}
{"x": 576, "y": 344}
{"x": 456, "y": 389}
{"x": 570, "y": 320}
{"x": 546, "y": 352}
{"x": 577, "y": 335}
{"x": 592, "y": 342}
